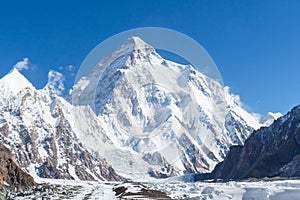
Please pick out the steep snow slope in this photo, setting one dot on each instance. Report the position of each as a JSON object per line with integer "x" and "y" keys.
{"x": 14, "y": 82}
{"x": 163, "y": 118}
{"x": 40, "y": 129}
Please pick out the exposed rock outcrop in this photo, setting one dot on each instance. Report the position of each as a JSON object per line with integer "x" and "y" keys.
{"x": 138, "y": 191}
{"x": 10, "y": 172}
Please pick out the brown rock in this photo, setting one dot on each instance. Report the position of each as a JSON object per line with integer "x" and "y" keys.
{"x": 10, "y": 172}
{"x": 1, "y": 180}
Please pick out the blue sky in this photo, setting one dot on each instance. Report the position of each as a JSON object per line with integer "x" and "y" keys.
{"x": 255, "y": 44}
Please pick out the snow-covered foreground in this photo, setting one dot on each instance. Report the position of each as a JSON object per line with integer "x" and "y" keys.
{"x": 83, "y": 190}
{"x": 66, "y": 189}
{"x": 279, "y": 190}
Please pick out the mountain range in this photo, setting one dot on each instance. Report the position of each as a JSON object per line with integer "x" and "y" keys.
{"x": 135, "y": 115}
{"x": 38, "y": 127}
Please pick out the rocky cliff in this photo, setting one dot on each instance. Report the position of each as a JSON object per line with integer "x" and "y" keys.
{"x": 269, "y": 152}
{"x": 10, "y": 172}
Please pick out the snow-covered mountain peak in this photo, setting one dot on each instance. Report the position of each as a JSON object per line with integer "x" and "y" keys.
{"x": 170, "y": 117}
{"x": 14, "y": 82}
{"x": 270, "y": 118}
{"x": 49, "y": 91}
{"x": 137, "y": 43}
{"x": 133, "y": 48}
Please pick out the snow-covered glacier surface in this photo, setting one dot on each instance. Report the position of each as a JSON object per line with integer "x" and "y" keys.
{"x": 263, "y": 190}
{"x": 78, "y": 190}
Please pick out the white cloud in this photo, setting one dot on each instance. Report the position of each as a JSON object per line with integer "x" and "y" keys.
{"x": 233, "y": 97}
{"x": 236, "y": 99}
{"x": 55, "y": 81}
{"x": 68, "y": 68}
{"x": 256, "y": 116}
{"x": 22, "y": 64}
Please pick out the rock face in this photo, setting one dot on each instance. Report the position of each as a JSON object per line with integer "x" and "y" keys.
{"x": 10, "y": 172}
{"x": 269, "y": 152}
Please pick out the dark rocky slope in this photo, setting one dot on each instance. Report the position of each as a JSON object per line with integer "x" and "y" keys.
{"x": 10, "y": 172}
{"x": 269, "y": 152}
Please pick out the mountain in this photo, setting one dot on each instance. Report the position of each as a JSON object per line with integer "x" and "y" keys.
{"x": 39, "y": 128}
{"x": 14, "y": 82}
{"x": 269, "y": 152}
{"x": 163, "y": 118}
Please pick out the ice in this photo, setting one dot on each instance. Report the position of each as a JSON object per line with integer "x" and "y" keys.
{"x": 260, "y": 190}
{"x": 286, "y": 195}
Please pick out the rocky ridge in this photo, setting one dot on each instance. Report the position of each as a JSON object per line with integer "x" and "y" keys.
{"x": 272, "y": 151}
{"x": 39, "y": 128}
{"x": 10, "y": 172}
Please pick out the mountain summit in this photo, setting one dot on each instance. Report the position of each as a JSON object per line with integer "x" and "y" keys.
{"x": 14, "y": 82}
{"x": 137, "y": 44}
{"x": 163, "y": 118}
